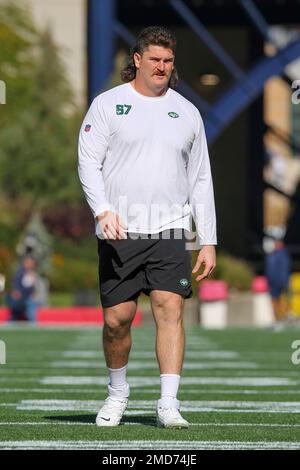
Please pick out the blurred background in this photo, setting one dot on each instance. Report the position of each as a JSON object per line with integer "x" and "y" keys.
{"x": 238, "y": 61}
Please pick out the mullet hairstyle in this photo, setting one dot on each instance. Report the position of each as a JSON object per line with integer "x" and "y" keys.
{"x": 150, "y": 36}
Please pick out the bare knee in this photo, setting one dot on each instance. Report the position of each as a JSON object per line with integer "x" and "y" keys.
{"x": 167, "y": 308}
{"x": 116, "y": 326}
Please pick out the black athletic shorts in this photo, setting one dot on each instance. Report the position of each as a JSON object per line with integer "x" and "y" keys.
{"x": 130, "y": 266}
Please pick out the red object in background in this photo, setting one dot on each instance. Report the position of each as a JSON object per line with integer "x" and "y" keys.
{"x": 213, "y": 290}
{"x": 260, "y": 284}
{"x": 4, "y": 314}
{"x": 69, "y": 315}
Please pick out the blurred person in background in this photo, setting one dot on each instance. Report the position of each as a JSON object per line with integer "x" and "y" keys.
{"x": 23, "y": 300}
{"x": 278, "y": 266}
{"x": 144, "y": 142}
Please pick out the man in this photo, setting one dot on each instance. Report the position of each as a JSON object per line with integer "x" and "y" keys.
{"x": 22, "y": 298}
{"x": 144, "y": 168}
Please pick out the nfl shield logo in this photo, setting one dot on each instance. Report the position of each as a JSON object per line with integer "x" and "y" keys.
{"x": 87, "y": 128}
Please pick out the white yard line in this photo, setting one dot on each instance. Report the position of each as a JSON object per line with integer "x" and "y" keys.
{"x": 157, "y": 445}
{"x": 142, "y": 406}
{"x": 151, "y": 354}
{"x": 152, "y": 365}
{"x": 139, "y": 381}
{"x": 182, "y": 391}
{"x": 208, "y": 424}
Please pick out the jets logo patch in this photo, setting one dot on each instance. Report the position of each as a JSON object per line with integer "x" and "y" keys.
{"x": 173, "y": 115}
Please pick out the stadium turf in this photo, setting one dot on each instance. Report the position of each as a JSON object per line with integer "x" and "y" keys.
{"x": 239, "y": 390}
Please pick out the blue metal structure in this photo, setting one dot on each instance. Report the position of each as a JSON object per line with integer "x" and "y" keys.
{"x": 101, "y": 38}
{"x": 203, "y": 34}
{"x": 247, "y": 85}
{"x": 237, "y": 98}
{"x": 104, "y": 27}
{"x": 257, "y": 19}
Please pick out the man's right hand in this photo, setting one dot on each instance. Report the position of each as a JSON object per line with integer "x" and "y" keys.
{"x": 112, "y": 226}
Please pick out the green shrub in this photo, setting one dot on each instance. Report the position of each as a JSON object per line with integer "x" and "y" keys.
{"x": 61, "y": 299}
{"x": 69, "y": 275}
{"x": 236, "y": 272}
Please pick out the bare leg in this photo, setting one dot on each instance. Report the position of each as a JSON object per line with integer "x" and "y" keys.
{"x": 281, "y": 307}
{"x": 167, "y": 308}
{"x": 117, "y": 333}
{"x": 116, "y": 345}
{"x": 276, "y": 309}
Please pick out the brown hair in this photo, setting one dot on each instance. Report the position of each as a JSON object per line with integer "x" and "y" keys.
{"x": 155, "y": 36}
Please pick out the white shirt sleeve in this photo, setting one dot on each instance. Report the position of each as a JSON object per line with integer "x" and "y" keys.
{"x": 92, "y": 148}
{"x": 201, "y": 193}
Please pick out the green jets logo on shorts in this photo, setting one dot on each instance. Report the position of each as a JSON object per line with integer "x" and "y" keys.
{"x": 184, "y": 282}
{"x": 173, "y": 115}
{"x": 123, "y": 108}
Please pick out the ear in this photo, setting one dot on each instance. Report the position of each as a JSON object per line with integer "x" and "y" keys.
{"x": 136, "y": 59}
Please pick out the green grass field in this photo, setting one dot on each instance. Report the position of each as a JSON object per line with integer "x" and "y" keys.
{"x": 239, "y": 390}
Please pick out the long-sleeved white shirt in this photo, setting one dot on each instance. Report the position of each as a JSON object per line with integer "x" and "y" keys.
{"x": 146, "y": 159}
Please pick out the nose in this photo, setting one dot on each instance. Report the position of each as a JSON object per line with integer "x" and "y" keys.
{"x": 161, "y": 66}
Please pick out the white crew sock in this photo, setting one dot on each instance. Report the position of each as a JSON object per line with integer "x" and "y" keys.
{"x": 169, "y": 384}
{"x": 118, "y": 386}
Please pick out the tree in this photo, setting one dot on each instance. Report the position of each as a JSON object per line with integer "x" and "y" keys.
{"x": 17, "y": 38}
{"x": 38, "y": 133}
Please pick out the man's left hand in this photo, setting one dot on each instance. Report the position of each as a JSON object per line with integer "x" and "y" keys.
{"x": 207, "y": 257}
